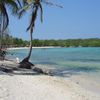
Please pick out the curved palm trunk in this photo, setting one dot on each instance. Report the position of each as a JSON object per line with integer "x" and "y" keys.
{"x": 30, "y": 50}
{"x": 25, "y": 62}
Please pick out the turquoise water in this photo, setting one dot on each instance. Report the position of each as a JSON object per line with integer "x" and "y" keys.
{"x": 65, "y": 60}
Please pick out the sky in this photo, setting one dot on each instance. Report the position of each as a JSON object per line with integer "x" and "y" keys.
{"x": 77, "y": 19}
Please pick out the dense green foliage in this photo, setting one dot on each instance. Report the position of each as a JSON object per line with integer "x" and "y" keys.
{"x": 68, "y": 43}
{"x": 94, "y": 42}
{"x": 10, "y": 41}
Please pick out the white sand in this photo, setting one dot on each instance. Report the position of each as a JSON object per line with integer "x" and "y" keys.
{"x": 19, "y": 87}
{"x": 14, "y": 48}
{"x": 42, "y": 87}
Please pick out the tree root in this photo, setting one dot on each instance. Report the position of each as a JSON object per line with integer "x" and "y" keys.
{"x": 25, "y": 64}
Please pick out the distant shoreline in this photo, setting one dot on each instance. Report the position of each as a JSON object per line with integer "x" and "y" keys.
{"x": 46, "y": 47}
{"x": 13, "y": 48}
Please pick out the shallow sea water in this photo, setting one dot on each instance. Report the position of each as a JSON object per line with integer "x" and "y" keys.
{"x": 65, "y": 61}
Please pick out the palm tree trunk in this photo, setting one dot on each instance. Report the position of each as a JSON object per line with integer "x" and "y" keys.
{"x": 30, "y": 50}
{"x": 25, "y": 62}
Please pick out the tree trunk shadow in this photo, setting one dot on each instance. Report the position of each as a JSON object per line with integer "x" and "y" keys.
{"x": 26, "y": 68}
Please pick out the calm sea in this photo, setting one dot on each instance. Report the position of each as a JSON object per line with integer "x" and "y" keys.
{"x": 70, "y": 61}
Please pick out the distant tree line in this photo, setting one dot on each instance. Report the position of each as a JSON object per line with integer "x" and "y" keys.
{"x": 68, "y": 43}
{"x": 16, "y": 42}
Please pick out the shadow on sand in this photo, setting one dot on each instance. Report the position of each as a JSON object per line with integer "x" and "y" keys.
{"x": 66, "y": 72}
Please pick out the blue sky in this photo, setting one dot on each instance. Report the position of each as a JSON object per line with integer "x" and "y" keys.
{"x": 77, "y": 19}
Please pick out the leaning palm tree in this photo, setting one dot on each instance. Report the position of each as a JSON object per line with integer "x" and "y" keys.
{"x": 35, "y": 6}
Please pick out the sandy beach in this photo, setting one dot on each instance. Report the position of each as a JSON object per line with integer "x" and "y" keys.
{"x": 15, "y": 48}
{"x": 43, "y": 87}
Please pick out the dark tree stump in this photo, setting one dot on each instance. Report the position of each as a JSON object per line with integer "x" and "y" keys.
{"x": 26, "y": 65}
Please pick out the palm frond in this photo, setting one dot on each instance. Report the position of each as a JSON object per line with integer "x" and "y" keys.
{"x": 12, "y": 5}
{"x": 51, "y": 4}
{"x": 4, "y": 17}
{"x": 41, "y": 12}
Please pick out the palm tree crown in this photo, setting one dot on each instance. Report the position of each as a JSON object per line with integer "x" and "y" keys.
{"x": 4, "y": 18}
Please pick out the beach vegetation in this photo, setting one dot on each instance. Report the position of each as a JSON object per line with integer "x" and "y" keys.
{"x": 18, "y": 42}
